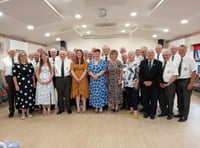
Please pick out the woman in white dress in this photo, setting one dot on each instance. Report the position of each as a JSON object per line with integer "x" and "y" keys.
{"x": 45, "y": 94}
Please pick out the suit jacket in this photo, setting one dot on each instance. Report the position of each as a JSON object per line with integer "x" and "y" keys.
{"x": 154, "y": 74}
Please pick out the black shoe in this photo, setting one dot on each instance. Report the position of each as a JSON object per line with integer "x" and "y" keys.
{"x": 152, "y": 117}
{"x": 162, "y": 115}
{"x": 177, "y": 116}
{"x": 11, "y": 114}
{"x": 182, "y": 119}
{"x": 69, "y": 111}
{"x": 112, "y": 110}
{"x": 60, "y": 112}
{"x": 170, "y": 116}
{"x": 146, "y": 115}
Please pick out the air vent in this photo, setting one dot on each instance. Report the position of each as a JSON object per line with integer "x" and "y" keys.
{"x": 105, "y": 25}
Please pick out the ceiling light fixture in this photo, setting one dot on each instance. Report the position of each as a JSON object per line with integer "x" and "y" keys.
{"x": 184, "y": 21}
{"x": 84, "y": 26}
{"x": 47, "y": 34}
{"x": 58, "y": 39}
{"x": 133, "y": 14}
{"x": 30, "y": 27}
{"x": 77, "y": 16}
{"x": 123, "y": 31}
{"x": 88, "y": 32}
{"x": 127, "y": 25}
{"x": 165, "y": 30}
{"x": 155, "y": 35}
{"x": 1, "y": 13}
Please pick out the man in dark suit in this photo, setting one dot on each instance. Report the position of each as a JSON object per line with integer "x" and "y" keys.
{"x": 150, "y": 75}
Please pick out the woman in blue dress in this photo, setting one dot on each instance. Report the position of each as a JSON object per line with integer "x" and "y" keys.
{"x": 98, "y": 87}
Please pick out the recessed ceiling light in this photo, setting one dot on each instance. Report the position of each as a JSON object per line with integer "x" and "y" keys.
{"x": 84, "y": 26}
{"x": 47, "y": 34}
{"x": 154, "y": 36}
{"x": 184, "y": 21}
{"x": 1, "y": 13}
{"x": 78, "y": 16}
{"x": 88, "y": 32}
{"x": 58, "y": 39}
{"x": 123, "y": 31}
{"x": 133, "y": 14}
{"x": 30, "y": 27}
{"x": 165, "y": 30}
{"x": 127, "y": 24}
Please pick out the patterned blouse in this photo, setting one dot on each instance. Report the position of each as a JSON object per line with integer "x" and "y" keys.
{"x": 131, "y": 74}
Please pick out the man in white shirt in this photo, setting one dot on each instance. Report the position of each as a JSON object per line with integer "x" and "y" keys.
{"x": 175, "y": 57}
{"x": 168, "y": 88}
{"x": 158, "y": 55}
{"x": 184, "y": 82}
{"x": 122, "y": 51}
{"x": 6, "y": 73}
{"x": 63, "y": 82}
{"x": 105, "y": 53}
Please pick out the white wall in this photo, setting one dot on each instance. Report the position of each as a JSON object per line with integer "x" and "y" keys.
{"x": 116, "y": 43}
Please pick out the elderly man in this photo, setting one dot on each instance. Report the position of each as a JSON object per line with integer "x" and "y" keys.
{"x": 63, "y": 82}
{"x": 168, "y": 88}
{"x": 150, "y": 75}
{"x": 143, "y": 51}
{"x": 122, "y": 51}
{"x": 6, "y": 74}
{"x": 184, "y": 83}
{"x": 105, "y": 53}
{"x": 158, "y": 54}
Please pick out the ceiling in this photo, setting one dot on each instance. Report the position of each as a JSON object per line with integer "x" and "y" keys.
{"x": 57, "y": 18}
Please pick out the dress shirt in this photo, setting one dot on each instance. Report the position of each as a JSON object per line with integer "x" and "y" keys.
{"x": 58, "y": 63}
{"x": 53, "y": 61}
{"x": 160, "y": 57}
{"x": 6, "y": 65}
{"x": 188, "y": 66}
{"x": 177, "y": 58}
{"x": 170, "y": 70}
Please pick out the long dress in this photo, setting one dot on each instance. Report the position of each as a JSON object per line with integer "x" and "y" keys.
{"x": 98, "y": 88}
{"x": 25, "y": 98}
{"x": 45, "y": 93}
{"x": 82, "y": 87}
{"x": 114, "y": 90}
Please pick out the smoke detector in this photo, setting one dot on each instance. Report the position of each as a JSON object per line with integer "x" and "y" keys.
{"x": 101, "y": 13}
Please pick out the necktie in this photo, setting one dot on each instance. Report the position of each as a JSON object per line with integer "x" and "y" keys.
{"x": 13, "y": 62}
{"x": 164, "y": 66}
{"x": 53, "y": 61}
{"x": 172, "y": 57}
{"x": 62, "y": 69}
{"x": 106, "y": 58}
{"x": 179, "y": 67}
{"x": 149, "y": 64}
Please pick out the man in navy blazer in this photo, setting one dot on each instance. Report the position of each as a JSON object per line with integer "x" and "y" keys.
{"x": 150, "y": 75}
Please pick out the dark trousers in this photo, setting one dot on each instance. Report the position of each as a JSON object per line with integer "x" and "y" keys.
{"x": 166, "y": 99}
{"x": 183, "y": 96}
{"x": 11, "y": 93}
{"x": 63, "y": 87}
{"x": 132, "y": 97}
{"x": 149, "y": 97}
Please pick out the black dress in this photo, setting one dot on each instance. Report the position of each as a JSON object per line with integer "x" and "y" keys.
{"x": 25, "y": 97}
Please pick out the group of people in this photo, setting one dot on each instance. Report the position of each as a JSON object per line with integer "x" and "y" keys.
{"x": 106, "y": 79}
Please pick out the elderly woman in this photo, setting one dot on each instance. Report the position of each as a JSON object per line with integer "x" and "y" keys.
{"x": 131, "y": 82}
{"x": 115, "y": 70}
{"x": 98, "y": 88}
{"x": 24, "y": 81}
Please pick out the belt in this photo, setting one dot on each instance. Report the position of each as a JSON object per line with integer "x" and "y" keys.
{"x": 8, "y": 76}
{"x": 64, "y": 77}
